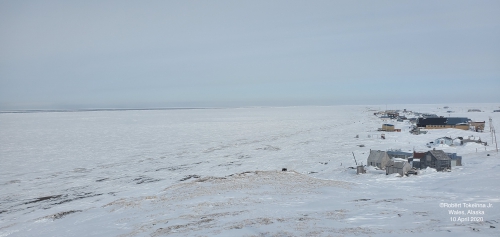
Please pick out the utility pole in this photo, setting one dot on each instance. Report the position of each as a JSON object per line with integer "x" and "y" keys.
{"x": 493, "y": 134}
{"x": 491, "y": 130}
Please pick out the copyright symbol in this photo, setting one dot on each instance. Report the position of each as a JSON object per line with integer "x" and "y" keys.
{"x": 441, "y": 205}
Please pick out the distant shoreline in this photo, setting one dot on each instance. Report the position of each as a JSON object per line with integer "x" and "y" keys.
{"x": 93, "y": 110}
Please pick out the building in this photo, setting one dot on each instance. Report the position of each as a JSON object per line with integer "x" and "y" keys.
{"x": 442, "y": 122}
{"x": 378, "y": 159}
{"x": 455, "y": 160}
{"x": 415, "y": 163}
{"x": 444, "y": 141}
{"x": 477, "y": 126}
{"x": 436, "y": 159}
{"x": 474, "y": 110}
{"x": 387, "y": 127}
{"x": 418, "y": 155}
{"x": 397, "y": 165}
{"x": 399, "y": 154}
{"x": 392, "y": 114}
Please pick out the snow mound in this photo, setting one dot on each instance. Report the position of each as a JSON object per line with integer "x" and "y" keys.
{"x": 428, "y": 170}
{"x": 232, "y": 203}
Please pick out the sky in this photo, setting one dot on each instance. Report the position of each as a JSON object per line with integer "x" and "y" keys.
{"x": 149, "y": 54}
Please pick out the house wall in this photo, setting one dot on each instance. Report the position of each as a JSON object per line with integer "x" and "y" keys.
{"x": 387, "y": 128}
{"x": 382, "y": 163}
{"x": 416, "y": 164}
{"x": 443, "y": 164}
{"x": 400, "y": 171}
{"x": 463, "y": 127}
{"x": 478, "y": 125}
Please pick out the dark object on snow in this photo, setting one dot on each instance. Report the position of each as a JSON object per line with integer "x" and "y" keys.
{"x": 284, "y": 169}
{"x": 492, "y": 226}
{"x": 413, "y": 171}
{"x": 487, "y": 154}
{"x": 360, "y": 169}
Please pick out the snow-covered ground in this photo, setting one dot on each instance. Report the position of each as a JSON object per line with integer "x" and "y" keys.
{"x": 217, "y": 172}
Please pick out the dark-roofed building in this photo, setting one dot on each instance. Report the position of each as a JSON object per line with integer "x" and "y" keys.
{"x": 436, "y": 159}
{"x": 442, "y": 122}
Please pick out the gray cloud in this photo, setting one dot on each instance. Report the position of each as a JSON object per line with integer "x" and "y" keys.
{"x": 230, "y": 53}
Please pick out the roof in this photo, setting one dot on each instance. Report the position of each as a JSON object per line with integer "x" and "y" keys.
{"x": 422, "y": 122}
{"x": 439, "y": 154}
{"x": 396, "y": 153}
{"x": 390, "y": 125}
{"x": 456, "y": 120}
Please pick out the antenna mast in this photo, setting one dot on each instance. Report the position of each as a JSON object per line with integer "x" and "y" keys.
{"x": 493, "y": 134}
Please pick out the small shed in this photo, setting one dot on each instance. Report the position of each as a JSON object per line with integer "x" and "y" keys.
{"x": 387, "y": 127}
{"x": 444, "y": 140}
{"x": 378, "y": 159}
{"x": 416, "y": 163}
{"x": 455, "y": 159}
{"x": 360, "y": 169}
{"x": 397, "y": 165}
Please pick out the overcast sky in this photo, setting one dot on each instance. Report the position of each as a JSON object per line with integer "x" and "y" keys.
{"x": 123, "y": 54}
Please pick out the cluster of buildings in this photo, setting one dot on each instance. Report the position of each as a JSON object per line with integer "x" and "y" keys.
{"x": 406, "y": 163}
{"x": 450, "y": 122}
{"x": 455, "y": 141}
{"x": 428, "y": 121}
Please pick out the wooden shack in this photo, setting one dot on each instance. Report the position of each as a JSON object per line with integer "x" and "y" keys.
{"x": 436, "y": 159}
